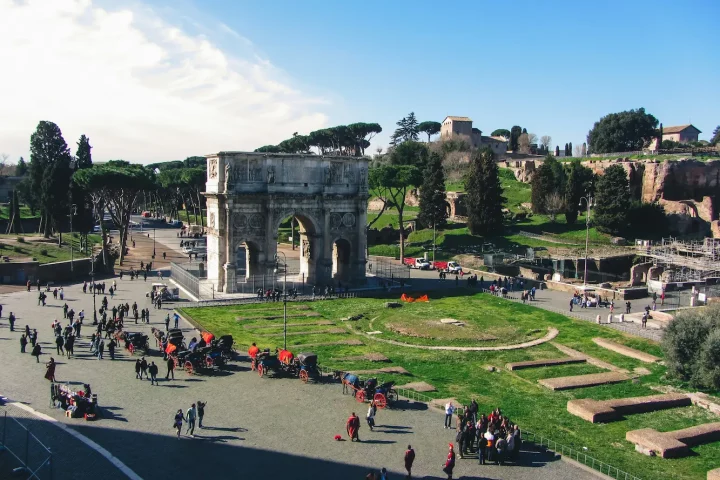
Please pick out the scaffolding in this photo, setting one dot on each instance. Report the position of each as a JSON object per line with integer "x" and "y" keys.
{"x": 683, "y": 260}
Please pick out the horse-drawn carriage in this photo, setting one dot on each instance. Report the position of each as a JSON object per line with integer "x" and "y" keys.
{"x": 133, "y": 341}
{"x": 283, "y": 362}
{"x": 383, "y": 395}
{"x": 198, "y": 357}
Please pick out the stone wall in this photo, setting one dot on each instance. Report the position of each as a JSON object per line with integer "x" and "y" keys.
{"x": 20, "y": 272}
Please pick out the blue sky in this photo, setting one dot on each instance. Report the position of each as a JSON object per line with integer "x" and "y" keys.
{"x": 160, "y": 79}
{"x": 552, "y": 67}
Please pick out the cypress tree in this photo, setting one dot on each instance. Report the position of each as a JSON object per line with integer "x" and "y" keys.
{"x": 570, "y": 150}
{"x": 557, "y": 150}
{"x": 433, "y": 208}
{"x": 484, "y": 195}
{"x": 578, "y": 185}
{"x": 612, "y": 200}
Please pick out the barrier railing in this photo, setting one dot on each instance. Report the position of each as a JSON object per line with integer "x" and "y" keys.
{"x": 578, "y": 456}
{"x": 35, "y": 459}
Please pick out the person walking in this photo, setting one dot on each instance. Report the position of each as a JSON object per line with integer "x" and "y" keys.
{"x": 170, "y": 368}
{"x": 50, "y": 370}
{"x": 111, "y": 348}
{"x": 138, "y": 369}
{"x": 177, "y": 422}
{"x": 190, "y": 419}
{"x": 153, "y": 369}
{"x": 372, "y": 410}
{"x": 409, "y": 459}
{"x": 143, "y": 368}
{"x": 200, "y": 412}
{"x": 59, "y": 345}
{"x": 23, "y": 343}
{"x": 11, "y": 319}
{"x": 167, "y": 322}
{"x": 70, "y": 345}
{"x": 33, "y": 337}
{"x": 449, "y": 409}
{"x": 177, "y": 317}
{"x": 353, "y": 427}
{"x": 36, "y": 352}
{"x": 100, "y": 349}
{"x": 449, "y": 462}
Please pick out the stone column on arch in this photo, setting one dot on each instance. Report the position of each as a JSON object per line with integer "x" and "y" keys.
{"x": 230, "y": 252}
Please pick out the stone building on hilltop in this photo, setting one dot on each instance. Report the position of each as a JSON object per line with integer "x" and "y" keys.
{"x": 462, "y": 126}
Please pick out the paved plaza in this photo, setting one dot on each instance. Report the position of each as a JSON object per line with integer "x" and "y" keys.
{"x": 255, "y": 426}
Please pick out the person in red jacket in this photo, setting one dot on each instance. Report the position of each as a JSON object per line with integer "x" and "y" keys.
{"x": 450, "y": 462}
{"x": 409, "y": 459}
{"x": 353, "y": 427}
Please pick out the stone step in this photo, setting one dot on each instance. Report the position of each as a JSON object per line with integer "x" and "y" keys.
{"x": 673, "y": 444}
{"x": 548, "y": 362}
{"x": 582, "y": 381}
{"x": 627, "y": 351}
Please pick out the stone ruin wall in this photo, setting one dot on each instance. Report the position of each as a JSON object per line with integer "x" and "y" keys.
{"x": 687, "y": 188}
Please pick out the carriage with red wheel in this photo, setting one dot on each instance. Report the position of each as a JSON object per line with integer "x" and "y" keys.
{"x": 283, "y": 362}
{"x": 383, "y": 395}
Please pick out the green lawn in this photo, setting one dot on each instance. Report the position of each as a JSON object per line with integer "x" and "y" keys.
{"x": 44, "y": 251}
{"x": 463, "y": 375}
{"x": 24, "y": 212}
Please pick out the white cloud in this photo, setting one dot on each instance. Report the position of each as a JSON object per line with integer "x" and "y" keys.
{"x": 140, "y": 88}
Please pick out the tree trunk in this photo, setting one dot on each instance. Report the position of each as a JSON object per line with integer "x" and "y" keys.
{"x": 402, "y": 237}
{"x": 187, "y": 213}
{"x": 202, "y": 222}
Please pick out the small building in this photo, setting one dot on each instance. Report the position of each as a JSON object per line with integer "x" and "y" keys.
{"x": 679, "y": 134}
{"x": 463, "y": 126}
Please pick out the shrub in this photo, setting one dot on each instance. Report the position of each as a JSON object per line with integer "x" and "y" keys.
{"x": 21, "y": 239}
{"x": 2, "y": 245}
{"x": 692, "y": 347}
{"x": 17, "y": 249}
{"x": 44, "y": 252}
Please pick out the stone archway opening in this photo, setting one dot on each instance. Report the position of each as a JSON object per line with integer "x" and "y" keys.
{"x": 341, "y": 260}
{"x": 247, "y": 260}
{"x": 296, "y": 245}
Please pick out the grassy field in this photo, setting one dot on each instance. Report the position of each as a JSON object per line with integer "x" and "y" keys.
{"x": 464, "y": 375}
{"x": 27, "y": 247}
{"x": 24, "y": 212}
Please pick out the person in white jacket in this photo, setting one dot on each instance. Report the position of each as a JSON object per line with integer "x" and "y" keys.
{"x": 449, "y": 410}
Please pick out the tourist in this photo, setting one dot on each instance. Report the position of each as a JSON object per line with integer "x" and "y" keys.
{"x": 33, "y": 337}
{"x": 572, "y": 302}
{"x": 59, "y": 345}
{"x": 645, "y": 319}
{"x": 409, "y": 459}
{"x": 153, "y": 369}
{"x": 70, "y": 345}
{"x": 143, "y": 368}
{"x": 11, "y": 319}
{"x": 501, "y": 446}
{"x": 627, "y": 307}
{"x": 200, "y": 412}
{"x": 517, "y": 440}
{"x": 490, "y": 443}
{"x": 167, "y": 322}
{"x": 36, "y": 352}
{"x": 170, "y": 368}
{"x": 481, "y": 448}
{"x": 371, "y": 415}
{"x": 383, "y": 474}
{"x": 178, "y": 421}
{"x": 100, "y": 348}
{"x": 23, "y": 343}
{"x": 176, "y": 316}
{"x": 449, "y": 464}
{"x": 111, "y": 348}
{"x": 190, "y": 419}
{"x": 449, "y": 409}
{"x": 353, "y": 427}
{"x": 50, "y": 369}
{"x": 138, "y": 369}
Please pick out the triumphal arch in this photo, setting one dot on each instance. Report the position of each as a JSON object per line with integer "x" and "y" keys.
{"x": 249, "y": 195}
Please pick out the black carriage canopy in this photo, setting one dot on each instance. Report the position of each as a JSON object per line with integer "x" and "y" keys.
{"x": 307, "y": 358}
{"x": 224, "y": 341}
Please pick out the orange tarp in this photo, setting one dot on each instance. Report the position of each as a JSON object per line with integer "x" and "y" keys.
{"x": 409, "y": 299}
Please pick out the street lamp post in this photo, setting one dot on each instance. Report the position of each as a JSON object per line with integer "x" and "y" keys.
{"x": 73, "y": 212}
{"x": 92, "y": 275}
{"x": 284, "y": 297}
{"x": 153, "y": 244}
{"x": 588, "y": 202}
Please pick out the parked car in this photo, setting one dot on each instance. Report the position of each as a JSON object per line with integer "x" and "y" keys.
{"x": 419, "y": 263}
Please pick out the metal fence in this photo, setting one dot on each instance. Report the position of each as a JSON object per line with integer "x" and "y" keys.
{"x": 185, "y": 279}
{"x": 387, "y": 270}
{"x": 33, "y": 459}
{"x": 578, "y": 456}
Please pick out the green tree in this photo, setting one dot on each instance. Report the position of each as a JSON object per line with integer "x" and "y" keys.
{"x": 83, "y": 157}
{"x": 715, "y": 136}
{"x": 362, "y": 133}
{"x": 547, "y": 180}
{"x": 268, "y": 149}
{"x": 397, "y": 180}
{"x": 194, "y": 179}
{"x": 570, "y": 150}
{"x": 407, "y": 130}
{"x": 647, "y": 220}
{"x": 501, "y": 132}
{"x": 612, "y": 200}
{"x": 557, "y": 150}
{"x": 50, "y": 175}
{"x": 118, "y": 183}
{"x": 484, "y": 194}
{"x": 622, "y": 132}
{"x": 22, "y": 168}
{"x": 515, "y": 133}
{"x": 430, "y": 128}
{"x": 83, "y": 219}
{"x": 579, "y": 184}
{"x": 433, "y": 207}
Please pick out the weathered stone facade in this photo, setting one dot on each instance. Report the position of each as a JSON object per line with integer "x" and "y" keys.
{"x": 250, "y": 194}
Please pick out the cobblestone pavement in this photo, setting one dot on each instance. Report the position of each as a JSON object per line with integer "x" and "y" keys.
{"x": 255, "y": 426}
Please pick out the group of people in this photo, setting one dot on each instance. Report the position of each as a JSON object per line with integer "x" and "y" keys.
{"x": 196, "y": 411}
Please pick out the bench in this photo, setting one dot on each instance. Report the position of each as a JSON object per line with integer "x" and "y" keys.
{"x": 673, "y": 444}
{"x": 596, "y": 411}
